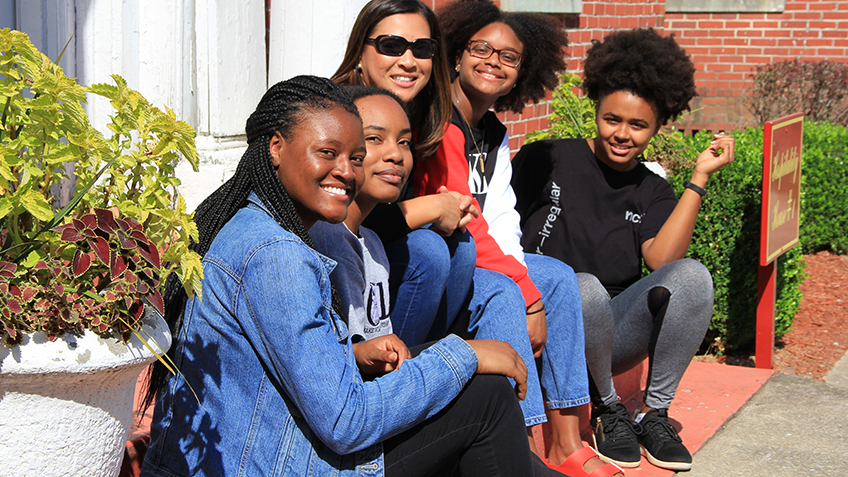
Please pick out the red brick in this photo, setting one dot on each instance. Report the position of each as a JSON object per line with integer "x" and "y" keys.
{"x": 737, "y": 24}
{"x": 709, "y": 41}
{"x": 793, "y": 24}
{"x": 818, "y": 42}
{"x": 737, "y": 41}
{"x": 804, "y": 34}
{"x": 777, "y": 33}
{"x": 776, "y": 51}
{"x": 730, "y": 76}
{"x": 841, "y": 33}
{"x": 731, "y": 59}
{"x": 680, "y": 24}
{"x": 807, "y": 16}
{"x": 830, "y": 52}
{"x": 744, "y": 68}
{"x": 758, "y": 59}
{"x": 765, "y": 24}
{"x": 822, "y": 25}
{"x": 704, "y": 59}
{"x": 749, "y": 33}
{"x": 749, "y": 51}
{"x": 823, "y": 6}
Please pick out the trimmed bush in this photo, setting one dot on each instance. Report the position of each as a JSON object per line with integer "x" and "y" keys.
{"x": 727, "y": 239}
{"x": 824, "y": 182}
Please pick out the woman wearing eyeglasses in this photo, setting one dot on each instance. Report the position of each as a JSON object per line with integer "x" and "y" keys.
{"x": 396, "y": 45}
{"x": 503, "y": 61}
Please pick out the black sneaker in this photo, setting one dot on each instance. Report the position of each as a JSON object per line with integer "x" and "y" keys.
{"x": 615, "y": 434}
{"x": 660, "y": 442}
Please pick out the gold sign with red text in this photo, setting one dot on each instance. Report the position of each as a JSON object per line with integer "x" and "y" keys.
{"x": 782, "y": 145}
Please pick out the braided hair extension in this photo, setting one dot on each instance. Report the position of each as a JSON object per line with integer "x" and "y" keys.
{"x": 279, "y": 110}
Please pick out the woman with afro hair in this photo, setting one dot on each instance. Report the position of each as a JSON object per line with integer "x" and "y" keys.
{"x": 594, "y": 205}
{"x": 503, "y": 61}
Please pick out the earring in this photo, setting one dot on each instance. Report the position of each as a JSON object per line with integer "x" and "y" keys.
{"x": 457, "y": 67}
{"x": 359, "y": 66}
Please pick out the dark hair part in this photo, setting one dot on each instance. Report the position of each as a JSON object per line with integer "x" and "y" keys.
{"x": 541, "y": 35}
{"x": 358, "y": 92}
{"x": 430, "y": 111}
{"x": 279, "y": 110}
{"x": 643, "y": 62}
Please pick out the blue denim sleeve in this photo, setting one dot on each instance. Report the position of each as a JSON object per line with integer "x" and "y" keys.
{"x": 285, "y": 312}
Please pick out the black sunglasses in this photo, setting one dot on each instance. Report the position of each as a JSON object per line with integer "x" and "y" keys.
{"x": 392, "y": 45}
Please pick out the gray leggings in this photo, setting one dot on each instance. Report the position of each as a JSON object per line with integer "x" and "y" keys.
{"x": 663, "y": 317}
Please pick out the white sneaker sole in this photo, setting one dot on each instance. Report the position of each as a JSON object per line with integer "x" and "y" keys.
{"x": 664, "y": 464}
{"x": 613, "y": 461}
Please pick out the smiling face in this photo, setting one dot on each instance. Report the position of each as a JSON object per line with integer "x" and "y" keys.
{"x": 626, "y": 124}
{"x": 487, "y": 79}
{"x": 388, "y": 139}
{"x": 403, "y": 75}
{"x": 320, "y": 164}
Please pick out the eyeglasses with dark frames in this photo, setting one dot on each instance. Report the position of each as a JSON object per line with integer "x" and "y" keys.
{"x": 507, "y": 57}
{"x": 393, "y": 45}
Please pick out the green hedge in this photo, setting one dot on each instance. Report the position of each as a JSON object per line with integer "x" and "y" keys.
{"x": 727, "y": 238}
{"x": 824, "y": 182}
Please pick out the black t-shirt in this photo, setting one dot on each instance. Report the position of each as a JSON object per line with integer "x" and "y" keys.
{"x": 581, "y": 211}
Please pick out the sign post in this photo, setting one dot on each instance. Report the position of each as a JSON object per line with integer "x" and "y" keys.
{"x": 781, "y": 209}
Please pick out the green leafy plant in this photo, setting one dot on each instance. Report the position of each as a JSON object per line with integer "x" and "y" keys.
{"x": 573, "y": 115}
{"x": 48, "y": 145}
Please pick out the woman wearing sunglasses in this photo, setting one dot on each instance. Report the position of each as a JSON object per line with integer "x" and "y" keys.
{"x": 396, "y": 45}
{"x": 503, "y": 61}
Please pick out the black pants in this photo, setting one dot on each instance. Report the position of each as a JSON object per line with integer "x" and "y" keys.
{"x": 480, "y": 433}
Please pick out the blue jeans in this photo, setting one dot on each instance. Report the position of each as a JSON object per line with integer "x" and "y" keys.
{"x": 429, "y": 281}
{"x": 563, "y": 363}
{"x": 498, "y": 312}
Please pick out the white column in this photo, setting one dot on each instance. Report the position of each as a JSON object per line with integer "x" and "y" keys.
{"x": 309, "y": 36}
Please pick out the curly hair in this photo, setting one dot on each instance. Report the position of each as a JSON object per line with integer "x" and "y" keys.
{"x": 541, "y": 35}
{"x": 279, "y": 110}
{"x": 430, "y": 111}
{"x": 643, "y": 62}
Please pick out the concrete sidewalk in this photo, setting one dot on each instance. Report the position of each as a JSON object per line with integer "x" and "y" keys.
{"x": 792, "y": 426}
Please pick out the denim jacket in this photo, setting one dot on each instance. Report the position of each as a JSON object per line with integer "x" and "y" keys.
{"x": 277, "y": 388}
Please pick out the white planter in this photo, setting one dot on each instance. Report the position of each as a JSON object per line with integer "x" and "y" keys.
{"x": 66, "y": 405}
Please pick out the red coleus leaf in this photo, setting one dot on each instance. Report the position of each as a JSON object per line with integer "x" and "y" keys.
{"x": 89, "y": 225}
{"x": 59, "y": 288}
{"x": 136, "y": 310}
{"x": 106, "y": 220}
{"x": 117, "y": 265}
{"x": 42, "y": 265}
{"x": 7, "y": 270}
{"x": 82, "y": 262}
{"x": 143, "y": 288}
{"x": 110, "y": 296}
{"x": 101, "y": 249}
{"x": 126, "y": 241}
{"x": 150, "y": 253}
{"x": 156, "y": 300}
{"x": 70, "y": 234}
{"x": 27, "y": 293}
{"x": 15, "y": 306}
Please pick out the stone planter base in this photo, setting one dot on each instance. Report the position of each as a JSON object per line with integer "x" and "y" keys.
{"x": 66, "y": 405}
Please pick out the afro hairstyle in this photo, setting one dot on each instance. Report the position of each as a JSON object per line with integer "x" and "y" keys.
{"x": 541, "y": 35}
{"x": 643, "y": 62}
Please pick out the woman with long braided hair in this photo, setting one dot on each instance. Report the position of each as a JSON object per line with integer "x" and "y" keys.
{"x": 269, "y": 382}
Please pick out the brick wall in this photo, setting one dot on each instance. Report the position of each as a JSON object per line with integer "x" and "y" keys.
{"x": 727, "y": 47}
